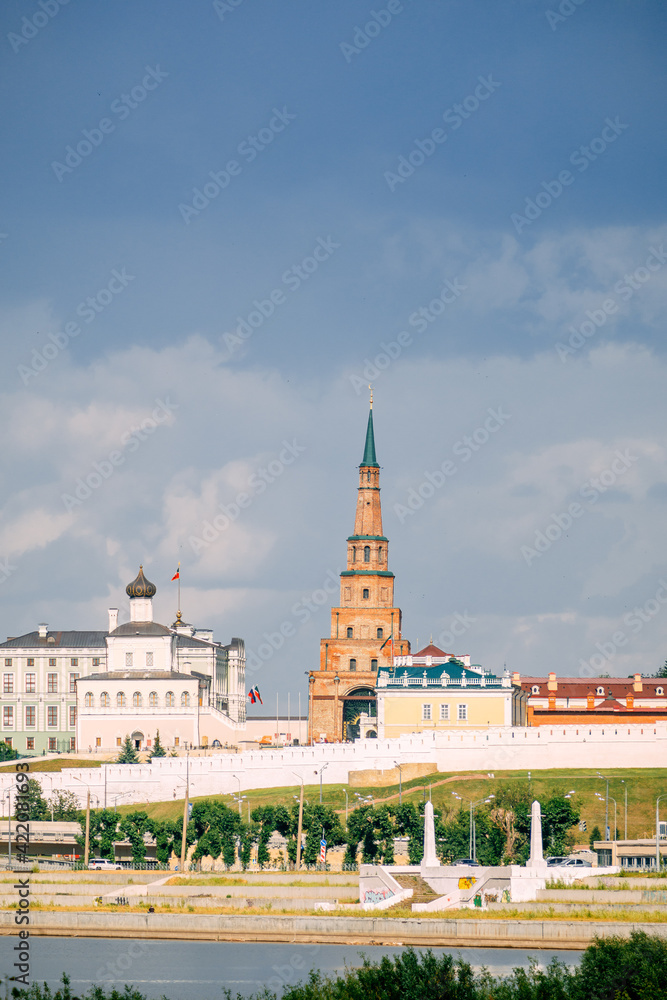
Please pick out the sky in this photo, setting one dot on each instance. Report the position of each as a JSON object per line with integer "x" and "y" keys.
{"x": 222, "y": 220}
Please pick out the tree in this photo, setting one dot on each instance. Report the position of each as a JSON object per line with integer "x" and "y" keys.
{"x": 558, "y": 817}
{"x": 64, "y": 806}
{"x": 158, "y": 750}
{"x": 661, "y": 671}
{"x": 408, "y": 823}
{"x": 595, "y": 835}
{"x": 7, "y": 752}
{"x": 32, "y": 803}
{"x": 103, "y": 833}
{"x": 265, "y": 817}
{"x": 133, "y": 827}
{"x": 128, "y": 754}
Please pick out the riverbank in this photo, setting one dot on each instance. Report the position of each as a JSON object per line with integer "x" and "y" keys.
{"x": 314, "y": 929}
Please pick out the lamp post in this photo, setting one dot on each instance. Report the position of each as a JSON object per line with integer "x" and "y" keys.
{"x": 625, "y": 811}
{"x": 239, "y": 781}
{"x": 321, "y": 770}
{"x": 473, "y": 806}
{"x": 606, "y": 807}
{"x": 346, "y": 801}
{"x": 298, "y": 836}
{"x": 400, "y": 782}
{"x": 657, "y": 831}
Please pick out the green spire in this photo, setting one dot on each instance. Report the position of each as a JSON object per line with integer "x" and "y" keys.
{"x": 369, "y": 448}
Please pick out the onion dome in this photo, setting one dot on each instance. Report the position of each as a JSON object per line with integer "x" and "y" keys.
{"x": 141, "y": 587}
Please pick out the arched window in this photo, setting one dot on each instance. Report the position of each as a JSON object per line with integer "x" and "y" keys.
{"x": 105, "y": 700}
{"x": 89, "y": 700}
{"x": 153, "y": 699}
{"x": 374, "y": 664}
{"x": 169, "y": 699}
{"x": 368, "y": 476}
{"x": 354, "y": 553}
{"x": 137, "y": 700}
{"x": 350, "y": 633}
{"x": 380, "y": 554}
{"x": 659, "y": 690}
{"x": 600, "y": 690}
{"x": 380, "y": 633}
{"x": 365, "y": 593}
{"x": 120, "y": 700}
{"x": 367, "y": 553}
{"x": 353, "y": 665}
{"x": 535, "y": 689}
{"x": 185, "y": 700}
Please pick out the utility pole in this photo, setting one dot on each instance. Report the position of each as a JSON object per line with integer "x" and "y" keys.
{"x": 657, "y": 832}
{"x": 9, "y": 843}
{"x": 625, "y": 789}
{"x": 184, "y": 846}
{"x": 86, "y": 852}
{"x": 298, "y": 836}
{"x": 400, "y": 782}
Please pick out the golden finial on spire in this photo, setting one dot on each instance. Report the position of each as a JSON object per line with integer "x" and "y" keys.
{"x": 371, "y": 391}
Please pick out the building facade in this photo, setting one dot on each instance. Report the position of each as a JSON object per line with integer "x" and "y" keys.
{"x": 365, "y": 628}
{"x": 633, "y": 700}
{"x": 88, "y": 690}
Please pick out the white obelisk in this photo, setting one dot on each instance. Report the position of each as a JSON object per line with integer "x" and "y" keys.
{"x": 430, "y": 859}
{"x": 536, "y": 854}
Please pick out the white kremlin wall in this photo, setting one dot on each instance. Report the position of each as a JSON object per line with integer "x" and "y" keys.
{"x": 502, "y": 749}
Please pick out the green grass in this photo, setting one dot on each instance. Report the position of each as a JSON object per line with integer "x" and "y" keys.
{"x": 54, "y": 764}
{"x": 643, "y": 784}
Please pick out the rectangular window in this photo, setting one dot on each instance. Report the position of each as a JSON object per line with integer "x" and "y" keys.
{"x": 30, "y": 716}
{"x": 149, "y": 659}
{"x": 52, "y": 743}
{"x": 52, "y": 683}
{"x": 30, "y": 743}
{"x": 52, "y": 716}
{"x": 444, "y": 713}
{"x": 8, "y": 661}
{"x": 52, "y": 661}
{"x": 119, "y": 742}
{"x": 98, "y": 741}
{"x": 463, "y": 713}
{"x": 128, "y": 659}
{"x": 72, "y": 743}
{"x": 72, "y": 683}
{"x": 177, "y": 741}
{"x": 74, "y": 662}
{"x": 96, "y": 661}
{"x": 30, "y": 683}
{"x": 31, "y": 661}
{"x": 8, "y": 683}
{"x": 72, "y": 716}
{"x": 426, "y": 713}
{"x": 9, "y": 740}
{"x": 8, "y": 716}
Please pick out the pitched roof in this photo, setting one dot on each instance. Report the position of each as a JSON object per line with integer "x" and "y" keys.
{"x": 369, "y": 447}
{"x": 432, "y": 650}
{"x": 57, "y": 640}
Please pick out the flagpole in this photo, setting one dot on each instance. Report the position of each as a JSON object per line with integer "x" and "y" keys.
{"x": 179, "y": 591}
{"x": 277, "y": 726}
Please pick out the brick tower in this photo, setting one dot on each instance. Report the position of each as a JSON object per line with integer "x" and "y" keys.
{"x": 364, "y": 628}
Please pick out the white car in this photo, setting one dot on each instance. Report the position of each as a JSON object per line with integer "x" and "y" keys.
{"x": 104, "y": 865}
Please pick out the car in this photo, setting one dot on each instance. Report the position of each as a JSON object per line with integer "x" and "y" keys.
{"x": 556, "y": 861}
{"x": 577, "y": 863}
{"x": 466, "y": 861}
{"x": 266, "y": 741}
{"x": 103, "y": 864}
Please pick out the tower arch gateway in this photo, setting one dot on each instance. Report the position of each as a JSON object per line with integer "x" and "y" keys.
{"x": 365, "y": 627}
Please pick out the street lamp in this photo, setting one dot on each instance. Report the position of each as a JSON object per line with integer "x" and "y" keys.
{"x": 239, "y": 781}
{"x": 657, "y": 830}
{"x": 346, "y": 801}
{"x": 473, "y": 806}
{"x": 606, "y": 807}
{"x": 625, "y": 812}
{"x": 400, "y": 782}
{"x": 321, "y": 770}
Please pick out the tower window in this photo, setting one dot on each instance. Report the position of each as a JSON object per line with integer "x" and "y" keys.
{"x": 374, "y": 664}
{"x": 367, "y": 553}
{"x": 365, "y": 593}
{"x": 380, "y": 554}
{"x": 380, "y": 633}
{"x": 354, "y": 553}
{"x": 353, "y": 665}
{"x": 350, "y": 633}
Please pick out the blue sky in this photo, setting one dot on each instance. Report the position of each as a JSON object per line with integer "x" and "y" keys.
{"x": 579, "y": 91}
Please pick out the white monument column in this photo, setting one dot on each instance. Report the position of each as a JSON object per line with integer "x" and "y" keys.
{"x": 536, "y": 854}
{"x": 430, "y": 859}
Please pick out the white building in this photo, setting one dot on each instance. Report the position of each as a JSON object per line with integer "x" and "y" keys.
{"x": 63, "y": 690}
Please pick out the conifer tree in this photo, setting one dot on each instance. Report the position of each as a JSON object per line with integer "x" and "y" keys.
{"x": 128, "y": 754}
{"x": 158, "y": 750}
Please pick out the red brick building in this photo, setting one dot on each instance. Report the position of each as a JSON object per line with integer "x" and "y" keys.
{"x": 365, "y": 627}
{"x": 599, "y": 700}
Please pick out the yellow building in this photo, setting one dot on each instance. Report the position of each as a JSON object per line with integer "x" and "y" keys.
{"x": 436, "y": 691}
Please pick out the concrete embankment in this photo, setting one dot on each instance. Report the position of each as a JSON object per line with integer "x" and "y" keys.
{"x": 479, "y": 933}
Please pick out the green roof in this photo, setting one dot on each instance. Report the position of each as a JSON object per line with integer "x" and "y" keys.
{"x": 369, "y": 448}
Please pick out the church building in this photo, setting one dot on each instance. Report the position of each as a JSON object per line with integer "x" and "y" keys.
{"x": 365, "y": 628}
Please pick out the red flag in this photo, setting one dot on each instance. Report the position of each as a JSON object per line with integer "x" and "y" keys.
{"x": 251, "y": 695}
{"x": 177, "y": 574}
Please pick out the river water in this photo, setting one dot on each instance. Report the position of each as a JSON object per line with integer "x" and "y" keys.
{"x": 198, "y": 970}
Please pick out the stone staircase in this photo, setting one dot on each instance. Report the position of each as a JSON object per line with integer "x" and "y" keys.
{"x": 421, "y": 890}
